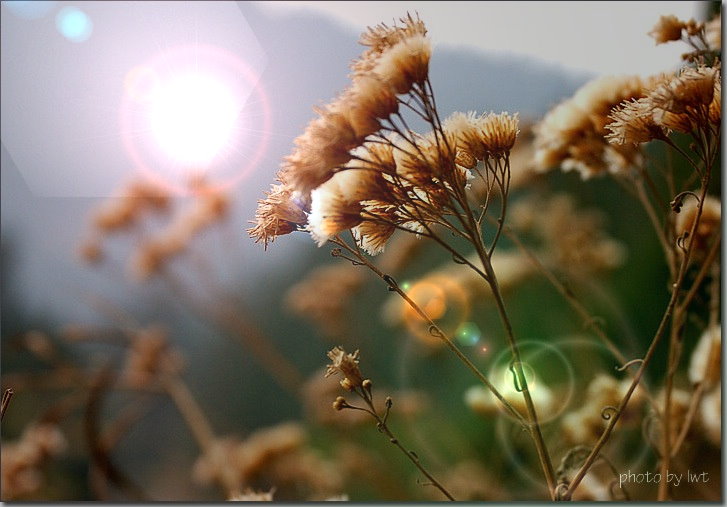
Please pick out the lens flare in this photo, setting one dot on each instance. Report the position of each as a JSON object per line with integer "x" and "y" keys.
{"x": 74, "y": 24}
{"x": 468, "y": 333}
{"x": 443, "y": 300}
{"x": 192, "y": 118}
{"x": 193, "y": 111}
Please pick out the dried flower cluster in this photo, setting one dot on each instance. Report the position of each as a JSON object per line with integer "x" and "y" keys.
{"x": 709, "y": 224}
{"x": 319, "y": 390}
{"x": 22, "y": 460}
{"x": 599, "y": 129}
{"x": 149, "y": 354}
{"x": 121, "y": 214}
{"x": 324, "y": 298}
{"x": 210, "y": 206}
{"x": 687, "y": 102}
{"x": 279, "y": 456}
{"x": 572, "y": 135}
{"x": 358, "y": 167}
{"x": 572, "y": 240}
{"x": 585, "y": 425}
{"x": 705, "y": 369}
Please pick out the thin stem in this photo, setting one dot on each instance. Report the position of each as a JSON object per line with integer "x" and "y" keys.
{"x": 393, "y": 286}
{"x": 383, "y": 427}
{"x": 588, "y": 320}
{"x": 7, "y": 394}
{"x": 658, "y": 228}
{"x": 200, "y": 427}
{"x": 652, "y": 347}
{"x": 536, "y": 433}
{"x": 688, "y": 418}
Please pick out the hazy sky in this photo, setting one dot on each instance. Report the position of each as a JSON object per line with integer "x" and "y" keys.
{"x": 603, "y": 37}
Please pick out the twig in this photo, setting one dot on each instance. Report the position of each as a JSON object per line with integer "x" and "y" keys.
{"x": 7, "y": 394}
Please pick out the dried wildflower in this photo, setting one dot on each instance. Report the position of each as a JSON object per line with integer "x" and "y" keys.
{"x": 633, "y": 123}
{"x": 715, "y": 107}
{"x": 572, "y": 239}
{"x": 467, "y": 132}
{"x": 572, "y": 134}
{"x": 679, "y": 407}
{"x": 148, "y": 355}
{"x": 687, "y": 92}
{"x": 405, "y": 64}
{"x": 91, "y": 252}
{"x": 324, "y": 297}
{"x": 331, "y": 212}
{"x": 210, "y": 205}
{"x": 710, "y": 411}
{"x": 373, "y": 235}
{"x": 706, "y": 362}
{"x": 275, "y": 455}
{"x": 339, "y": 403}
{"x": 381, "y": 37}
{"x": 318, "y": 392}
{"x": 22, "y": 460}
{"x": 668, "y": 28}
{"x": 369, "y": 100}
{"x": 693, "y": 27}
{"x": 250, "y": 495}
{"x": 709, "y": 222}
{"x": 597, "y": 97}
{"x": 499, "y": 132}
{"x": 278, "y": 214}
{"x": 123, "y": 211}
{"x": 346, "y": 364}
{"x": 585, "y": 425}
{"x": 713, "y": 33}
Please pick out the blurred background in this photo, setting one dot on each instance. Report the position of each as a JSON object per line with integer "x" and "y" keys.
{"x": 83, "y": 119}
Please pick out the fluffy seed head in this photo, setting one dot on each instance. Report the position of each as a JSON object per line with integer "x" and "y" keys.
{"x": 668, "y": 28}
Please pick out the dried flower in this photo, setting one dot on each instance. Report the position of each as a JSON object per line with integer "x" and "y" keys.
{"x": 585, "y": 425}
{"x": 706, "y": 362}
{"x": 668, "y": 28}
{"x": 339, "y": 403}
{"x": 405, "y": 64}
{"x": 91, "y": 252}
{"x": 278, "y": 214}
{"x": 572, "y": 134}
{"x": 710, "y": 411}
{"x": 324, "y": 297}
{"x": 709, "y": 222}
{"x": 330, "y": 212}
{"x": 499, "y": 132}
{"x": 687, "y": 92}
{"x": 22, "y": 460}
{"x": 122, "y": 211}
{"x": 572, "y": 239}
{"x": 633, "y": 122}
{"x": 346, "y": 364}
{"x": 250, "y": 495}
{"x": 715, "y": 107}
{"x": 713, "y": 33}
{"x": 679, "y": 407}
{"x": 148, "y": 355}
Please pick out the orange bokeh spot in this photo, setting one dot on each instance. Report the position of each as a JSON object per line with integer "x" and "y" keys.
{"x": 443, "y": 300}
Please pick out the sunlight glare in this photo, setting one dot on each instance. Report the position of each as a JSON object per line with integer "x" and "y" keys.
{"x": 192, "y": 117}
